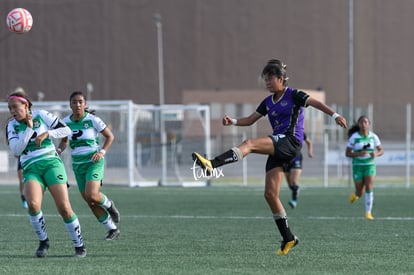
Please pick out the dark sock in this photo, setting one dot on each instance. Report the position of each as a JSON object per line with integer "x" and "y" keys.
{"x": 225, "y": 158}
{"x": 294, "y": 188}
{"x": 284, "y": 229}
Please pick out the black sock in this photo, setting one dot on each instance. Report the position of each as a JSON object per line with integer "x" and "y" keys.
{"x": 284, "y": 229}
{"x": 225, "y": 158}
{"x": 294, "y": 187}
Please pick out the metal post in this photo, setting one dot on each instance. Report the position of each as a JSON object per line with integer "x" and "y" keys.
{"x": 351, "y": 60}
{"x": 158, "y": 23}
{"x": 131, "y": 124}
{"x": 408, "y": 147}
{"x": 325, "y": 159}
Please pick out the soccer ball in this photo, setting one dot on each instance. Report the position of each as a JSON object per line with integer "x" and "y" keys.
{"x": 19, "y": 20}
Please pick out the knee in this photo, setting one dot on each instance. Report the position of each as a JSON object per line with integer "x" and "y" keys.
{"x": 248, "y": 143}
{"x": 33, "y": 206}
{"x": 91, "y": 198}
{"x": 269, "y": 195}
{"x": 65, "y": 212}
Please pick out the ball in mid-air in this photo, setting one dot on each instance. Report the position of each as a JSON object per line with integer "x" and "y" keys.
{"x": 19, "y": 20}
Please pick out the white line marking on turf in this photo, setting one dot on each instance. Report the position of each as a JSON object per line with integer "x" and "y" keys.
{"x": 196, "y": 217}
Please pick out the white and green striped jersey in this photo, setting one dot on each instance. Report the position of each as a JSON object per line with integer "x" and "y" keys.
{"x": 368, "y": 143}
{"x": 84, "y": 139}
{"x": 22, "y": 138}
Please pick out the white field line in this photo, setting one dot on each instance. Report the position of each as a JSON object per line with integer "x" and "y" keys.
{"x": 196, "y": 217}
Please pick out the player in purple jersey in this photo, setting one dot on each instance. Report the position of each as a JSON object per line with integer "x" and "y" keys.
{"x": 284, "y": 108}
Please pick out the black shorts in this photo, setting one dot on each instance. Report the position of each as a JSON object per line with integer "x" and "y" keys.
{"x": 286, "y": 149}
{"x": 295, "y": 164}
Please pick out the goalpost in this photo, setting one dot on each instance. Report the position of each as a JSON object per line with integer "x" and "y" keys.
{"x": 152, "y": 146}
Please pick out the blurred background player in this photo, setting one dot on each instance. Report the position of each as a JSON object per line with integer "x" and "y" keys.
{"x": 294, "y": 171}
{"x": 363, "y": 147}
{"x": 88, "y": 161}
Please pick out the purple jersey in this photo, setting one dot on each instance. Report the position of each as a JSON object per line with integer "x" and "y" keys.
{"x": 286, "y": 115}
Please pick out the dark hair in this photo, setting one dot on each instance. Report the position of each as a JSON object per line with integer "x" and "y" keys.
{"x": 23, "y": 95}
{"x": 79, "y": 93}
{"x": 275, "y": 67}
{"x": 355, "y": 127}
{"x": 75, "y": 93}
{"x": 18, "y": 92}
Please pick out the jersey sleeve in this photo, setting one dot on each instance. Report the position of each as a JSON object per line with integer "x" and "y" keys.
{"x": 300, "y": 98}
{"x": 50, "y": 119}
{"x": 377, "y": 141}
{"x": 57, "y": 128}
{"x": 351, "y": 142}
{"x": 98, "y": 124}
{"x": 262, "y": 108}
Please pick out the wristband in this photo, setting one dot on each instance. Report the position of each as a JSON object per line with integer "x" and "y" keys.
{"x": 234, "y": 121}
{"x": 335, "y": 115}
{"x": 102, "y": 151}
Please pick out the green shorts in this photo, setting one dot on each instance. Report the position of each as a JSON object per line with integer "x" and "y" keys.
{"x": 89, "y": 171}
{"x": 361, "y": 171}
{"x": 46, "y": 172}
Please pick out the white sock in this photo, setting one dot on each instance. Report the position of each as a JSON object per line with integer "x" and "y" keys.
{"x": 108, "y": 223}
{"x": 279, "y": 215}
{"x": 105, "y": 202}
{"x": 39, "y": 225}
{"x": 74, "y": 229}
{"x": 369, "y": 201}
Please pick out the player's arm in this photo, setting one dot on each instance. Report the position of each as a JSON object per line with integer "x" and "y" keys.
{"x": 352, "y": 154}
{"x": 109, "y": 138}
{"x": 310, "y": 147}
{"x": 62, "y": 145}
{"x": 18, "y": 142}
{"x": 378, "y": 153}
{"x": 244, "y": 121}
{"x": 57, "y": 128}
{"x": 340, "y": 120}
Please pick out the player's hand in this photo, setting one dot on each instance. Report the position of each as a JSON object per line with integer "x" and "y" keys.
{"x": 29, "y": 120}
{"x": 341, "y": 121}
{"x": 97, "y": 156}
{"x": 227, "y": 120}
{"x": 40, "y": 138}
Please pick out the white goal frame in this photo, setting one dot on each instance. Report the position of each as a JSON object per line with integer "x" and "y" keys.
{"x": 132, "y": 115}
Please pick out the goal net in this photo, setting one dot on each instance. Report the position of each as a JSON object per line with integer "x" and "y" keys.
{"x": 152, "y": 146}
